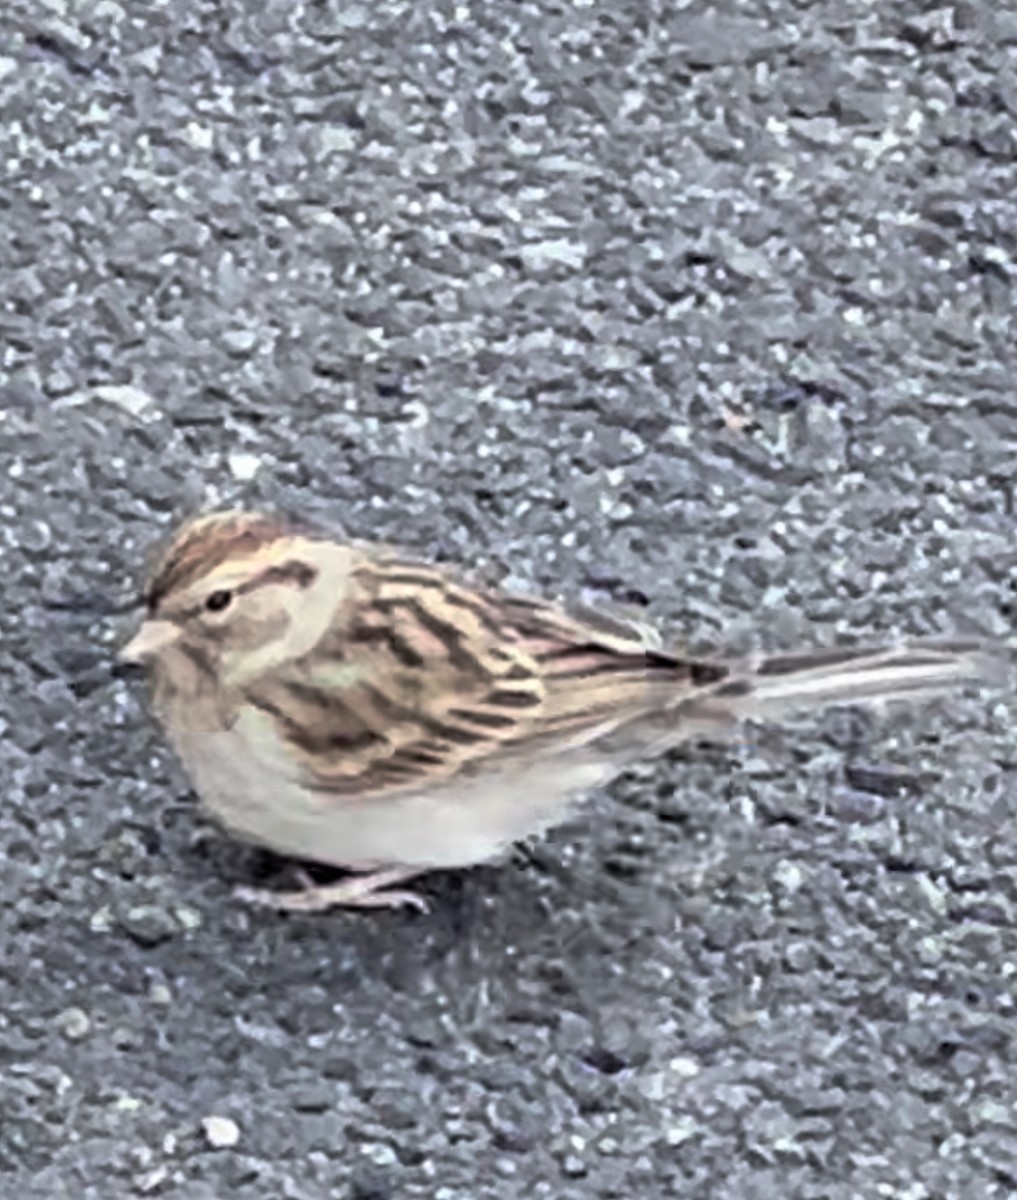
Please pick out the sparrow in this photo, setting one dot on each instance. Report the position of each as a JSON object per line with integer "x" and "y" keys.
{"x": 343, "y": 703}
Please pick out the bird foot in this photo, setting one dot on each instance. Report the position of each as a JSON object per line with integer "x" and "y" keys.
{"x": 359, "y": 891}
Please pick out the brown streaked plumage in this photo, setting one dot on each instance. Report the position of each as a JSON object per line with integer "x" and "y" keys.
{"x": 341, "y": 703}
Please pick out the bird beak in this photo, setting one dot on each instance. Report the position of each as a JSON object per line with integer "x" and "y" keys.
{"x": 151, "y": 639}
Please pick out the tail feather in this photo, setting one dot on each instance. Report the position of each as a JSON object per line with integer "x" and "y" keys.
{"x": 776, "y": 686}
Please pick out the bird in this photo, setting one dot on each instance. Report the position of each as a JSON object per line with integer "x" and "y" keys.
{"x": 350, "y": 704}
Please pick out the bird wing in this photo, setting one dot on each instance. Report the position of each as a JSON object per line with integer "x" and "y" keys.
{"x": 424, "y": 676}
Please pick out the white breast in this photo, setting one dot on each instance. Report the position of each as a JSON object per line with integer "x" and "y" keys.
{"x": 246, "y": 782}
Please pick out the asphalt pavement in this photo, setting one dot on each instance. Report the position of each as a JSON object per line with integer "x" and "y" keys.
{"x": 704, "y": 312}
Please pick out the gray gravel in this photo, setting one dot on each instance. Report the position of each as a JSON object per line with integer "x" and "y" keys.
{"x": 709, "y": 313}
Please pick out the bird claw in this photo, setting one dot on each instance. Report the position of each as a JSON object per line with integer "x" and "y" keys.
{"x": 359, "y": 891}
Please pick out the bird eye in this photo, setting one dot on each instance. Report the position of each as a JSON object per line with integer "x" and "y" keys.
{"x": 217, "y": 601}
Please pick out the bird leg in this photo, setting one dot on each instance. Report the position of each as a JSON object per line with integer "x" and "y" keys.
{"x": 358, "y": 891}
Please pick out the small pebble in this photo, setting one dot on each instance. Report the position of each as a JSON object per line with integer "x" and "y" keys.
{"x": 243, "y": 466}
{"x": 74, "y": 1023}
{"x": 220, "y": 1132}
{"x": 131, "y": 399}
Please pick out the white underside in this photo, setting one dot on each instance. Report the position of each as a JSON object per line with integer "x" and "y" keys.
{"x": 245, "y": 783}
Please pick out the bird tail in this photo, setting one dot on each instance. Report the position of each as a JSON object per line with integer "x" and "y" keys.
{"x": 775, "y": 686}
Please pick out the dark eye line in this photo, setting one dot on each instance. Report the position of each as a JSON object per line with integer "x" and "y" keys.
{"x": 299, "y": 573}
{"x": 294, "y": 571}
